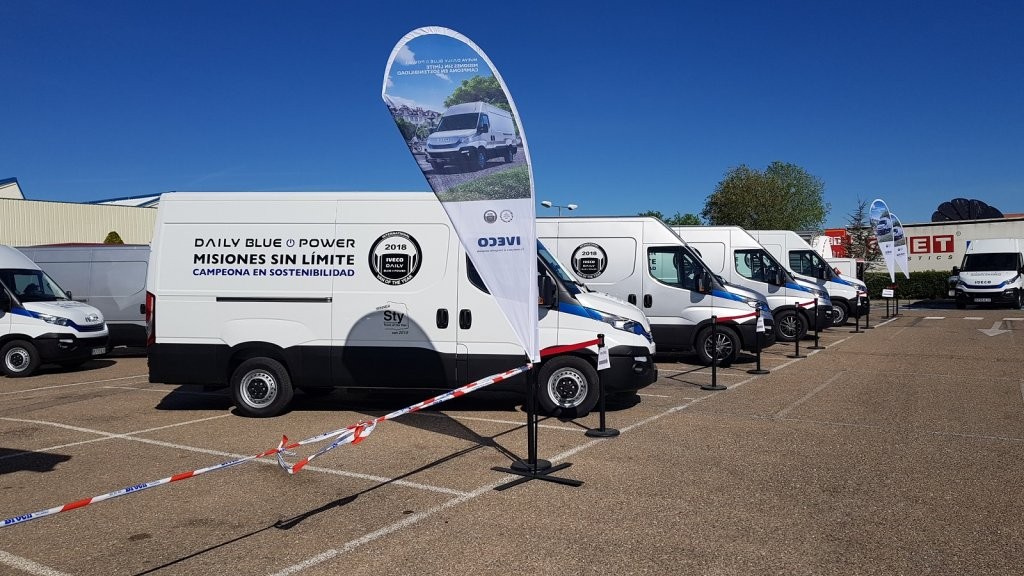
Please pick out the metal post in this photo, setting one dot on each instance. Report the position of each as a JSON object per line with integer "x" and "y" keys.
{"x": 816, "y": 346}
{"x": 757, "y": 342}
{"x": 796, "y": 341}
{"x": 601, "y": 431}
{"x": 714, "y": 358}
{"x": 856, "y": 317}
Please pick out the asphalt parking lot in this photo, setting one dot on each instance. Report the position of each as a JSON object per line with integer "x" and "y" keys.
{"x": 896, "y": 450}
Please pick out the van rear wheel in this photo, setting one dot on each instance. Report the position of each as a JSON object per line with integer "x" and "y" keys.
{"x": 261, "y": 387}
{"x": 510, "y": 152}
{"x": 567, "y": 387}
{"x": 20, "y": 358}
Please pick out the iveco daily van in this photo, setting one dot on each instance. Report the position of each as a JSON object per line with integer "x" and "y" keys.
{"x": 39, "y": 323}
{"x": 641, "y": 260}
{"x": 267, "y": 292}
{"x": 734, "y": 254}
{"x": 991, "y": 273}
{"x": 109, "y": 277}
{"x": 470, "y": 134}
{"x": 848, "y": 295}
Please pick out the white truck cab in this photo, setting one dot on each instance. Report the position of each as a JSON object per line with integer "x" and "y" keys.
{"x": 641, "y": 260}
{"x": 848, "y": 294}
{"x": 39, "y": 323}
{"x": 734, "y": 254}
{"x": 991, "y": 273}
{"x": 266, "y": 293}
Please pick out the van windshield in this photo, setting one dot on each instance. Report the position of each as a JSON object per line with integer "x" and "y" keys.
{"x": 758, "y": 265}
{"x": 991, "y": 262}
{"x": 571, "y": 284}
{"x": 31, "y": 285}
{"x": 808, "y": 263}
{"x": 458, "y": 122}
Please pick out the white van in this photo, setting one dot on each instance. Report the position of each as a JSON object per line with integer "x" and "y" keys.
{"x": 848, "y": 295}
{"x": 641, "y": 260}
{"x": 109, "y": 277}
{"x": 470, "y": 134}
{"x": 733, "y": 253}
{"x": 274, "y": 291}
{"x": 39, "y": 323}
{"x": 991, "y": 273}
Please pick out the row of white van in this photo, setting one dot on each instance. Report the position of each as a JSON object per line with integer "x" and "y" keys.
{"x": 268, "y": 293}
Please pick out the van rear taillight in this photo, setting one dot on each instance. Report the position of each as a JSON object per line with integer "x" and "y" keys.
{"x": 150, "y": 319}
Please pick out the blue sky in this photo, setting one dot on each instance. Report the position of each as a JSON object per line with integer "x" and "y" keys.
{"x": 627, "y": 106}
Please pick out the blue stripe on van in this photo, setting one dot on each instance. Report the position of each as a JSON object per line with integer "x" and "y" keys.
{"x": 793, "y": 286}
{"x": 583, "y": 311}
{"x": 728, "y": 295}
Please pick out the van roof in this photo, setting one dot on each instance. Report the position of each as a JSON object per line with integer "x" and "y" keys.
{"x": 294, "y": 196}
{"x": 470, "y": 107}
{"x": 12, "y": 258}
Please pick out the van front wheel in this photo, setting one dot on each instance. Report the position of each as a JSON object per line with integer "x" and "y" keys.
{"x": 725, "y": 346}
{"x": 567, "y": 387}
{"x": 261, "y": 387}
{"x": 20, "y": 359}
{"x": 840, "y": 313}
{"x": 790, "y": 326}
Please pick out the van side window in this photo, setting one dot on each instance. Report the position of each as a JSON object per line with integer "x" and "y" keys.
{"x": 800, "y": 262}
{"x": 485, "y": 124}
{"x": 474, "y": 276}
{"x": 672, "y": 266}
{"x": 755, "y": 265}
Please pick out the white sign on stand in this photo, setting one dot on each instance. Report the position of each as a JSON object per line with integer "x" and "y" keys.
{"x": 888, "y": 293}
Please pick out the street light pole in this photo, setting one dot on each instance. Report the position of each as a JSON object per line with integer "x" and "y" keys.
{"x": 549, "y": 204}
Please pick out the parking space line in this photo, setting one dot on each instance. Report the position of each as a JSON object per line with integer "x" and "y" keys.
{"x": 73, "y": 384}
{"x": 653, "y": 395}
{"x": 183, "y": 447}
{"x": 1012, "y": 319}
{"x": 934, "y": 317}
{"x": 105, "y": 436}
{"x": 973, "y": 318}
{"x": 26, "y": 565}
{"x": 808, "y": 396}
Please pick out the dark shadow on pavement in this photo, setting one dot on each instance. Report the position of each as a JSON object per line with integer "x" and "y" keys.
{"x": 12, "y": 460}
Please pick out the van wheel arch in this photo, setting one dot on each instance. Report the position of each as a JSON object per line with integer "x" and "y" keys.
{"x": 249, "y": 350}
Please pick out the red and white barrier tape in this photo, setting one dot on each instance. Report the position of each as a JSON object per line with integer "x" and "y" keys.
{"x": 349, "y": 435}
{"x": 807, "y": 304}
{"x": 722, "y": 320}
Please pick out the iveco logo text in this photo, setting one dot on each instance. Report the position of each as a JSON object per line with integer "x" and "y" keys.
{"x": 499, "y": 241}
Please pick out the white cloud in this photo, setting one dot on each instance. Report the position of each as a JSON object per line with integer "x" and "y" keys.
{"x": 405, "y": 56}
{"x": 443, "y": 77}
{"x": 390, "y": 83}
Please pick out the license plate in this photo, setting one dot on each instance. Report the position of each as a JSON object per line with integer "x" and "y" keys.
{"x": 982, "y": 299}
{"x": 98, "y": 351}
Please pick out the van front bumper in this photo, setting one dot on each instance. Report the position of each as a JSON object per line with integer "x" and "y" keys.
{"x": 1007, "y": 297}
{"x": 631, "y": 369}
{"x": 748, "y": 331}
{"x": 56, "y": 347}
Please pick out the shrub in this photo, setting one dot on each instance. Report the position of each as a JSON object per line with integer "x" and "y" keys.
{"x": 921, "y": 285}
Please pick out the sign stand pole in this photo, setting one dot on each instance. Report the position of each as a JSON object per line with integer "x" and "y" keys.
{"x": 758, "y": 330}
{"x": 533, "y": 468}
{"x": 601, "y": 431}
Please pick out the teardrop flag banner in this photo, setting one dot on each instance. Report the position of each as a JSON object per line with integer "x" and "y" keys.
{"x": 881, "y": 221}
{"x": 899, "y": 241}
{"x": 461, "y": 126}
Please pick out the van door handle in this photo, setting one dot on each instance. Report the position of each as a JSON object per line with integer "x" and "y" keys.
{"x": 631, "y": 299}
{"x": 442, "y": 318}
{"x": 465, "y": 319}
{"x": 648, "y": 301}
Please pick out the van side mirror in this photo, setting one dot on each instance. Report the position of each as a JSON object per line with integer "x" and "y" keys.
{"x": 547, "y": 291}
{"x": 68, "y": 294}
{"x": 5, "y": 301}
{"x": 704, "y": 282}
{"x": 823, "y": 273}
{"x": 780, "y": 277}
{"x": 956, "y": 270}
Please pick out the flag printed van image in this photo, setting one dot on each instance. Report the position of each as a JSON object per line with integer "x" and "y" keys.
{"x": 267, "y": 293}
{"x": 847, "y": 293}
{"x": 39, "y": 324}
{"x": 640, "y": 260}
{"x": 733, "y": 253}
{"x": 470, "y": 134}
{"x": 991, "y": 273}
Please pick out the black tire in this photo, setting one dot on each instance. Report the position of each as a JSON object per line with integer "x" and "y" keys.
{"x": 19, "y": 358}
{"x": 567, "y": 387}
{"x": 479, "y": 158}
{"x": 1020, "y": 299}
{"x": 726, "y": 343}
{"x": 790, "y": 326}
{"x": 261, "y": 387}
{"x": 510, "y": 153}
{"x": 840, "y": 313}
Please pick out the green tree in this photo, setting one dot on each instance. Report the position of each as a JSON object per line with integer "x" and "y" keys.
{"x": 113, "y": 238}
{"x": 676, "y": 219}
{"x": 783, "y": 197}
{"x": 479, "y": 89}
{"x": 407, "y": 128}
{"x": 860, "y": 237}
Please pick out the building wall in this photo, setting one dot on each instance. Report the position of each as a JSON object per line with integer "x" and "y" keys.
{"x": 31, "y": 222}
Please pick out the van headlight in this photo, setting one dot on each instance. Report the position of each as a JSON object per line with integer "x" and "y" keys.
{"x": 755, "y": 304}
{"x": 625, "y": 324}
{"x": 53, "y": 319}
